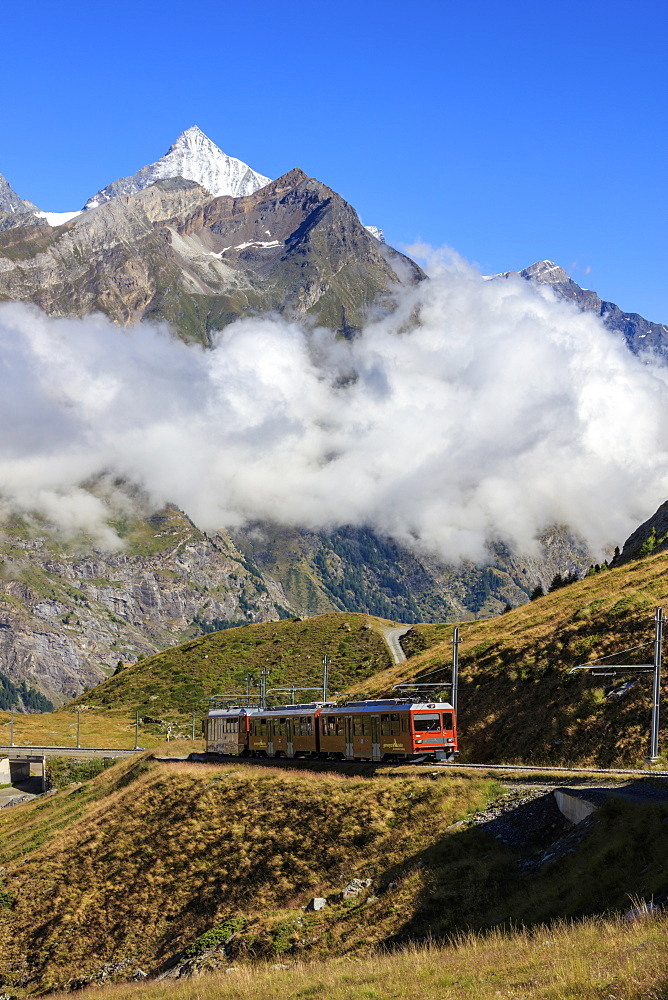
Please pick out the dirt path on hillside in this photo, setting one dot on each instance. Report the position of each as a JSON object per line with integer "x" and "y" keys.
{"x": 391, "y": 637}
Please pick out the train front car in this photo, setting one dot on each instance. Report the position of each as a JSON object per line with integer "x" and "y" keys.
{"x": 434, "y": 730}
{"x": 227, "y": 730}
{"x": 391, "y": 729}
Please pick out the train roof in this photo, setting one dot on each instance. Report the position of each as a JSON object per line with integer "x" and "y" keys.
{"x": 309, "y": 709}
{"x": 387, "y": 705}
{"x": 232, "y": 710}
{"x": 332, "y": 708}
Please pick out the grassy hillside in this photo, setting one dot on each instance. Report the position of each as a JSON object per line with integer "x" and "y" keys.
{"x": 139, "y": 862}
{"x": 149, "y": 864}
{"x": 595, "y": 959}
{"x": 517, "y": 700}
{"x": 178, "y": 679}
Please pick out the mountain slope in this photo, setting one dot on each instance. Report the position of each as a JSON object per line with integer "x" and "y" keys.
{"x": 15, "y": 211}
{"x": 517, "y": 699}
{"x": 640, "y": 334}
{"x": 173, "y": 252}
{"x": 176, "y": 868}
{"x": 356, "y": 569}
{"x": 69, "y": 613}
{"x": 194, "y": 157}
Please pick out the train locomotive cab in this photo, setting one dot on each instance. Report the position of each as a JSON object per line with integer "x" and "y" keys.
{"x": 433, "y": 730}
{"x": 227, "y": 731}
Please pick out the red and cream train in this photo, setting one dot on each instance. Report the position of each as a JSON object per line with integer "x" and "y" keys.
{"x": 360, "y": 730}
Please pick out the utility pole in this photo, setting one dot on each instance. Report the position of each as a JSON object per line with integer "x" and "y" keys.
{"x": 600, "y": 669}
{"x": 193, "y": 728}
{"x": 325, "y": 677}
{"x": 249, "y": 680}
{"x": 137, "y": 730}
{"x": 263, "y": 686}
{"x": 11, "y": 729}
{"x": 455, "y": 667}
{"x": 656, "y": 688}
{"x": 78, "y": 728}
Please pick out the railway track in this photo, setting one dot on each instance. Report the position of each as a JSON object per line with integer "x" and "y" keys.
{"x": 530, "y": 769}
{"x": 20, "y": 751}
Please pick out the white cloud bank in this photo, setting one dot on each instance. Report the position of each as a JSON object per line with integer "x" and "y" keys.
{"x": 500, "y": 412}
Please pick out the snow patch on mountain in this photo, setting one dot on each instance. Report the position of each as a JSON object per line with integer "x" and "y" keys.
{"x": 58, "y": 218}
{"x": 377, "y": 233}
{"x": 196, "y": 158}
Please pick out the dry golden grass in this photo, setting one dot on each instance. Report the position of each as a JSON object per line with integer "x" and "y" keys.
{"x": 144, "y": 858}
{"x": 594, "y": 960}
{"x": 111, "y": 729}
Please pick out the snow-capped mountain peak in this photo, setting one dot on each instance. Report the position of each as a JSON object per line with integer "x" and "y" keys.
{"x": 196, "y": 158}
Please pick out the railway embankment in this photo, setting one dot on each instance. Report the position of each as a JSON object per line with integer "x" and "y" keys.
{"x": 153, "y": 869}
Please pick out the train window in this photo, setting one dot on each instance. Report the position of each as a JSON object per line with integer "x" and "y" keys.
{"x": 357, "y": 726}
{"x": 447, "y": 720}
{"x": 426, "y": 722}
{"x": 385, "y": 725}
{"x": 404, "y": 723}
{"x": 394, "y": 723}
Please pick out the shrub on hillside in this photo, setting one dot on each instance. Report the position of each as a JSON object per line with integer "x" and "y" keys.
{"x": 215, "y": 936}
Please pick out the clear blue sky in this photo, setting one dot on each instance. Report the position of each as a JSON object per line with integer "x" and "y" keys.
{"x": 510, "y": 131}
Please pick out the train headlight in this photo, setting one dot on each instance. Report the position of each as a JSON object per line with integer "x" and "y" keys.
{"x": 418, "y": 741}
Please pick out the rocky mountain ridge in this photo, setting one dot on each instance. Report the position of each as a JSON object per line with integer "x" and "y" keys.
{"x": 68, "y": 616}
{"x": 174, "y": 252}
{"x": 639, "y": 333}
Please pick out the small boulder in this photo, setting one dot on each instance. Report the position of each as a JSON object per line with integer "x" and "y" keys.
{"x": 353, "y": 889}
{"x": 318, "y": 903}
{"x": 642, "y": 912}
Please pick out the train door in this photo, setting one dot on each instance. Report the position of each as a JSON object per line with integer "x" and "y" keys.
{"x": 289, "y": 727}
{"x": 375, "y": 737}
{"x": 348, "y": 730}
{"x": 270, "y": 737}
